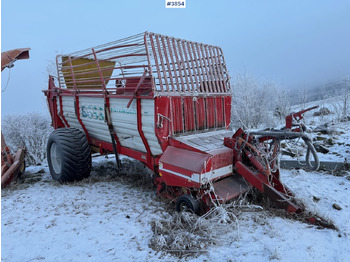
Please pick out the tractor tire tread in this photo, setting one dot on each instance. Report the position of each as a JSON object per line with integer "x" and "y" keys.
{"x": 75, "y": 154}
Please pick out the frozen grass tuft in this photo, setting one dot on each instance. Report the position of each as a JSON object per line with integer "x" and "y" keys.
{"x": 186, "y": 234}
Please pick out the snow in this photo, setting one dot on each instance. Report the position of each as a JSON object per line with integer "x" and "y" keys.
{"x": 115, "y": 215}
{"x": 108, "y": 217}
{"x": 338, "y": 132}
{"x": 83, "y": 221}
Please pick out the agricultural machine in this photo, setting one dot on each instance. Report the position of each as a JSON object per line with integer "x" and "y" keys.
{"x": 167, "y": 103}
{"x": 11, "y": 164}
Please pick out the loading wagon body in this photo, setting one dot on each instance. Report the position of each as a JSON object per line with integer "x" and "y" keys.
{"x": 161, "y": 100}
{"x": 165, "y": 102}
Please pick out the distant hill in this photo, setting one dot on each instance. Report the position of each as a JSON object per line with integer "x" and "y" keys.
{"x": 319, "y": 92}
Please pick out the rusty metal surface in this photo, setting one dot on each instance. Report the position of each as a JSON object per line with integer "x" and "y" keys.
{"x": 10, "y": 171}
{"x": 9, "y": 57}
{"x": 230, "y": 187}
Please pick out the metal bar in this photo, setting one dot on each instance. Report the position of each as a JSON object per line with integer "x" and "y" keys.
{"x": 148, "y": 59}
{"x": 206, "y": 69}
{"x": 211, "y": 69}
{"x": 77, "y": 114}
{"x": 76, "y": 101}
{"x": 195, "y": 88}
{"x": 113, "y": 134}
{"x": 194, "y": 101}
{"x": 213, "y": 63}
{"x": 101, "y": 75}
{"x": 116, "y": 47}
{"x": 156, "y": 61}
{"x": 93, "y": 79}
{"x": 58, "y": 72}
{"x": 173, "y": 65}
{"x": 72, "y": 73}
{"x": 162, "y": 62}
{"x": 168, "y": 65}
{"x": 224, "y": 70}
{"x": 101, "y": 60}
{"x": 61, "y": 112}
{"x": 199, "y": 77}
{"x": 204, "y": 83}
{"x": 109, "y": 69}
{"x": 139, "y": 128}
{"x": 182, "y": 62}
{"x": 196, "y": 53}
{"x": 220, "y": 73}
{"x": 137, "y": 88}
{"x": 171, "y": 116}
{"x": 10, "y": 173}
{"x": 107, "y": 49}
{"x": 115, "y": 150}
{"x": 192, "y": 87}
{"x": 182, "y": 87}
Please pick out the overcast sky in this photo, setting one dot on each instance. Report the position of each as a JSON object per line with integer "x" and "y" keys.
{"x": 295, "y": 43}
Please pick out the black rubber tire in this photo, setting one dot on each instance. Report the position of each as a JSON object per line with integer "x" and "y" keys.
{"x": 68, "y": 155}
{"x": 187, "y": 203}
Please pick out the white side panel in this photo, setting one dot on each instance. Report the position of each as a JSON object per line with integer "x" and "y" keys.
{"x": 93, "y": 117}
{"x": 69, "y": 112}
{"x": 148, "y": 128}
{"x": 124, "y": 120}
{"x": 125, "y": 123}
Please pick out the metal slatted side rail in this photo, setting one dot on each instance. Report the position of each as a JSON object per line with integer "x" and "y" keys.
{"x": 186, "y": 67}
{"x": 118, "y": 61}
{"x": 176, "y": 66}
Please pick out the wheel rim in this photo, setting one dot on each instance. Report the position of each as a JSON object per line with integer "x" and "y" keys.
{"x": 184, "y": 207}
{"x": 56, "y": 160}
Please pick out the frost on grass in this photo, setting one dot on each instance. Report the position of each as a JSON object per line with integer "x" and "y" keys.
{"x": 186, "y": 234}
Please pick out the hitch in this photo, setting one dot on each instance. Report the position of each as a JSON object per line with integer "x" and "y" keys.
{"x": 256, "y": 160}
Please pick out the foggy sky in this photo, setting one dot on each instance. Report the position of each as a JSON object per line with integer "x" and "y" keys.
{"x": 294, "y": 43}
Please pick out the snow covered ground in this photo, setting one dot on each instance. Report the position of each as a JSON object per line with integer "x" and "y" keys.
{"x": 326, "y": 131}
{"x": 117, "y": 216}
{"x": 112, "y": 217}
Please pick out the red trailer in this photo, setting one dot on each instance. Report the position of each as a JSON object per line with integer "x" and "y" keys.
{"x": 167, "y": 103}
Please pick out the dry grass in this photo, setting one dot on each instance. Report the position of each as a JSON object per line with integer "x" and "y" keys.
{"x": 186, "y": 234}
{"x": 132, "y": 173}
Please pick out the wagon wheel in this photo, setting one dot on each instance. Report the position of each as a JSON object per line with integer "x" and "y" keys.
{"x": 68, "y": 155}
{"x": 187, "y": 203}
